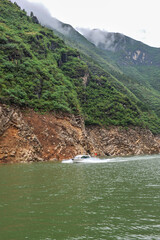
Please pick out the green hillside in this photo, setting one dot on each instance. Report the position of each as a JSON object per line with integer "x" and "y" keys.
{"x": 137, "y": 61}
{"x": 31, "y": 62}
{"x": 38, "y": 70}
{"x": 139, "y": 81}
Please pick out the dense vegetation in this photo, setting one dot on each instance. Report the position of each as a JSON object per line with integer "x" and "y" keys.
{"x": 141, "y": 77}
{"x": 38, "y": 70}
{"x": 32, "y": 58}
{"x": 140, "y": 64}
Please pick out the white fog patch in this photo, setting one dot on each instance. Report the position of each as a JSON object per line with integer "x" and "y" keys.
{"x": 103, "y": 39}
{"x": 43, "y": 15}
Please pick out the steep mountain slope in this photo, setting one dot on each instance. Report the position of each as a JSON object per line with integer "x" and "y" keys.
{"x": 32, "y": 58}
{"x": 137, "y": 60}
{"x": 98, "y": 62}
{"x": 38, "y": 70}
{"x": 133, "y": 63}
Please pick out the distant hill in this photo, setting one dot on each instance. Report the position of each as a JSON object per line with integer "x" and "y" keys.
{"x": 40, "y": 71}
{"x": 133, "y": 63}
{"x": 136, "y": 60}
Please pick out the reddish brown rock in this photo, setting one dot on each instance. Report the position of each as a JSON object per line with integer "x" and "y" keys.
{"x": 118, "y": 141}
{"x": 18, "y": 143}
{"x": 28, "y": 136}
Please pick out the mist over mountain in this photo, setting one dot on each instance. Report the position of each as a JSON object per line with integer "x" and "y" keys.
{"x": 115, "y": 42}
{"x": 115, "y": 53}
{"x": 103, "y": 39}
{"x": 135, "y": 59}
{"x": 43, "y": 15}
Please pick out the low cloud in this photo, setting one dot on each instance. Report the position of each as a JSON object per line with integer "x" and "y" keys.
{"x": 103, "y": 39}
{"x": 43, "y": 15}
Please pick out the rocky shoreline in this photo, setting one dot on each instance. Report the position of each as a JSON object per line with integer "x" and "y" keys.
{"x": 26, "y": 136}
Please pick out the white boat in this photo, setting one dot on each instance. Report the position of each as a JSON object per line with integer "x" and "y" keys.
{"x": 81, "y": 158}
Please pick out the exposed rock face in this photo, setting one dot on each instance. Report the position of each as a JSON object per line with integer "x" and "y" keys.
{"x": 17, "y": 140}
{"x": 28, "y": 136}
{"x": 85, "y": 79}
{"x": 117, "y": 141}
{"x": 62, "y": 137}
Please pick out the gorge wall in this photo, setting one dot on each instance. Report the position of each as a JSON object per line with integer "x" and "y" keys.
{"x": 28, "y": 136}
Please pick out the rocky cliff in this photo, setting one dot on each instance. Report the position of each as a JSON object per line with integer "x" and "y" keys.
{"x": 28, "y": 136}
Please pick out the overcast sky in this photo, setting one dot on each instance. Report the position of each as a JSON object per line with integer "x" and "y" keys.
{"x": 138, "y": 19}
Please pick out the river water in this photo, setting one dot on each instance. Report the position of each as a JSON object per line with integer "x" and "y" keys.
{"x": 116, "y": 199}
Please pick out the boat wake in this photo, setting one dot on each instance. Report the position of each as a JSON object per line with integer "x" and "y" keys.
{"x": 91, "y": 160}
{"x": 112, "y": 160}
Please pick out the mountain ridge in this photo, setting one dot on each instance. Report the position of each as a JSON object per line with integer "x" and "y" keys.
{"x": 86, "y": 86}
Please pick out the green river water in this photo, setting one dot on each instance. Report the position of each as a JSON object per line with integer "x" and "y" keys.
{"x": 117, "y": 199}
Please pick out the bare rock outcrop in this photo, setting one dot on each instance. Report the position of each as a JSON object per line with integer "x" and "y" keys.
{"x": 18, "y": 143}
{"x": 62, "y": 136}
{"x": 118, "y": 141}
{"x": 29, "y": 136}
